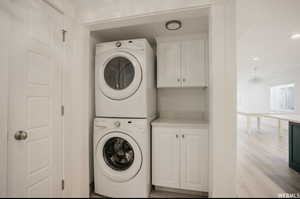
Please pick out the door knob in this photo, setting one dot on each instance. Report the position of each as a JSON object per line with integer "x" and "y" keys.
{"x": 21, "y": 135}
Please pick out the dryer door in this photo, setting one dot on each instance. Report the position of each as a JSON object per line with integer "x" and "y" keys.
{"x": 120, "y": 75}
{"x": 119, "y": 156}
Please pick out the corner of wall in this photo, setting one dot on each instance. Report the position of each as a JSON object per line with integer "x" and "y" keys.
{"x": 223, "y": 100}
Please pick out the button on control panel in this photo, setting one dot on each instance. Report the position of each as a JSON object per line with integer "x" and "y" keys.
{"x": 117, "y": 124}
{"x": 118, "y": 44}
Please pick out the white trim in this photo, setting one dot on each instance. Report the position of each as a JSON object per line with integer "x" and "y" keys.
{"x": 3, "y": 128}
{"x": 4, "y": 101}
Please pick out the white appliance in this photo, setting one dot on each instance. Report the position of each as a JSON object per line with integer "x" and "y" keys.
{"x": 125, "y": 79}
{"x": 122, "y": 157}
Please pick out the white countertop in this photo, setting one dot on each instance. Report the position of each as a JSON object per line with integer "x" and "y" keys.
{"x": 178, "y": 122}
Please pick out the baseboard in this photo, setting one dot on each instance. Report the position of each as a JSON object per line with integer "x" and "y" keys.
{"x": 180, "y": 191}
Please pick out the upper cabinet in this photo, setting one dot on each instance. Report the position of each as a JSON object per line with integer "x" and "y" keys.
{"x": 182, "y": 62}
{"x": 168, "y": 61}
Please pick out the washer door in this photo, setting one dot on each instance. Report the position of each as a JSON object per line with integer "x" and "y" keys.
{"x": 119, "y": 156}
{"x": 120, "y": 76}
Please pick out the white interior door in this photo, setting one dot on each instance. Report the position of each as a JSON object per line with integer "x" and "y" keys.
{"x": 35, "y": 154}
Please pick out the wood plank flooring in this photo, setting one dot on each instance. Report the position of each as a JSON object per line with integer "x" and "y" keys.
{"x": 263, "y": 165}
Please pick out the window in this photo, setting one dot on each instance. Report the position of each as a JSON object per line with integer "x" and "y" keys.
{"x": 283, "y": 98}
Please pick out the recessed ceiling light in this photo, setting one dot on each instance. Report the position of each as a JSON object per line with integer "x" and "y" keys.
{"x": 295, "y": 36}
{"x": 173, "y": 25}
{"x": 256, "y": 58}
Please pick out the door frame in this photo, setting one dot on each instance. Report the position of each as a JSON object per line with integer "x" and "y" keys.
{"x": 3, "y": 128}
{"x": 3, "y": 106}
{"x": 222, "y": 84}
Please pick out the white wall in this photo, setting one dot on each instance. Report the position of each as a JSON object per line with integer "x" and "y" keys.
{"x": 77, "y": 106}
{"x": 265, "y": 34}
{"x": 102, "y": 9}
{"x": 4, "y": 40}
{"x": 222, "y": 137}
{"x": 256, "y": 96}
{"x": 91, "y": 99}
{"x": 183, "y": 103}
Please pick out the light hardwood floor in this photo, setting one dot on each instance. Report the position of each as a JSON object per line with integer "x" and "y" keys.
{"x": 263, "y": 164}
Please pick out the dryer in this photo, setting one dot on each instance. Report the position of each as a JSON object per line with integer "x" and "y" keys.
{"x": 125, "y": 79}
{"x": 122, "y": 157}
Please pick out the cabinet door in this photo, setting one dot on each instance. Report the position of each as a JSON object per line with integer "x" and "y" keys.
{"x": 165, "y": 157}
{"x": 194, "y": 159}
{"x": 168, "y": 70}
{"x": 194, "y": 63}
{"x": 294, "y": 146}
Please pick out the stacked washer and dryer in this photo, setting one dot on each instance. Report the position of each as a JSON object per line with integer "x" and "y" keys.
{"x": 125, "y": 94}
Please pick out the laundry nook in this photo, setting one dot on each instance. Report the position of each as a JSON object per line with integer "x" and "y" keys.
{"x": 152, "y": 108}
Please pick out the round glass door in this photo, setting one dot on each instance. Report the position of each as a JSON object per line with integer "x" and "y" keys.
{"x": 119, "y": 156}
{"x": 119, "y": 75}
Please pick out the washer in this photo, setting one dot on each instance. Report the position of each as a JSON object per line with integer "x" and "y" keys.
{"x": 122, "y": 157}
{"x": 125, "y": 79}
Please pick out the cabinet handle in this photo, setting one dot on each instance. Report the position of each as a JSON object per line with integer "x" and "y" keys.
{"x": 182, "y": 136}
{"x": 183, "y": 79}
{"x": 176, "y": 136}
{"x": 178, "y": 79}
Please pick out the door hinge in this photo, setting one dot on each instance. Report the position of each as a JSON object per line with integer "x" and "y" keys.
{"x": 64, "y": 32}
{"x": 62, "y": 184}
{"x": 62, "y": 110}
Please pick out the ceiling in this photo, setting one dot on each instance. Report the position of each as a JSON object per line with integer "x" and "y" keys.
{"x": 92, "y": 10}
{"x": 264, "y": 28}
{"x": 152, "y": 30}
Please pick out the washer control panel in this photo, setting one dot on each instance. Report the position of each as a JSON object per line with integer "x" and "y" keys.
{"x": 124, "y": 124}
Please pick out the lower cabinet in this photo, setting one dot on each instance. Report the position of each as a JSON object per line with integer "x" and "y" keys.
{"x": 294, "y": 146}
{"x": 180, "y": 158}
